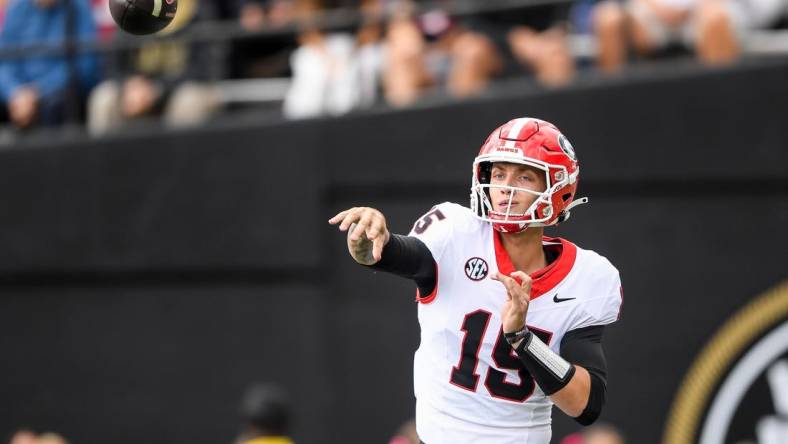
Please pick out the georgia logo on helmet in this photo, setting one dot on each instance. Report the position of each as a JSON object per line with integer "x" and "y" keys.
{"x": 536, "y": 143}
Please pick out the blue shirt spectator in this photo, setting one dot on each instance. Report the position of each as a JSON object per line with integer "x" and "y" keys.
{"x": 36, "y": 88}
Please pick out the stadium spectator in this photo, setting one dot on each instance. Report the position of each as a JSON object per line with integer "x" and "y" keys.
{"x": 546, "y": 53}
{"x": 324, "y": 79}
{"x": 165, "y": 77}
{"x": 596, "y": 434}
{"x": 23, "y": 436}
{"x": 104, "y": 23}
{"x": 369, "y": 61}
{"x": 423, "y": 51}
{"x": 265, "y": 412}
{"x": 713, "y": 28}
{"x": 459, "y": 58}
{"x": 3, "y": 4}
{"x": 50, "y": 438}
{"x": 268, "y": 55}
{"x": 406, "y": 434}
{"x": 334, "y": 72}
{"x": 26, "y": 436}
{"x": 474, "y": 62}
{"x": 43, "y": 89}
{"x": 478, "y": 48}
{"x": 257, "y": 14}
{"x": 405, "y": 73}
{"x": 602, "y": 434}
{"x": 252, "y": 15}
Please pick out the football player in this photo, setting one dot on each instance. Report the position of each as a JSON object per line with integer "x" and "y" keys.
{"x": 511, "y": 321}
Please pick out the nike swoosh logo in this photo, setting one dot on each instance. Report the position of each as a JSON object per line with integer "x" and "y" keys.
{"x": 556, "y": 299}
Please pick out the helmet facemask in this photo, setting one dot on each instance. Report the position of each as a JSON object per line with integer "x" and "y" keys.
{"x": 540, "y": 212}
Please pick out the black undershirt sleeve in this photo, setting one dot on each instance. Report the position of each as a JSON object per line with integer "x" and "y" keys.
{"x": 583, "y": 347}
{"x": 408, "y": 257}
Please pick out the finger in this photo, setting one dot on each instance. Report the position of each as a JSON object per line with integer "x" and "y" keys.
{"x": 350, "y": 218}
{"x": 525, "y": 286}
{"x": 500, "y": 277}
{"x": 524, "y": 281}
{"x": 360, "y": 227}
{"x": 348, "y": 221}
{"x": 522, "y": 276}
{"x": 378, "y": 228}
{"x": 334, "y": 220}
{"x": 374, "y": 228}
{"x": 377, "y": 248}
{"x": 510, "y": 284}
{"x": 508, "y": 293}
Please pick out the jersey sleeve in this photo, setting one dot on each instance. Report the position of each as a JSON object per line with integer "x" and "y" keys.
{"x": 435, "y": 229}
{"x": 605, "y": 307}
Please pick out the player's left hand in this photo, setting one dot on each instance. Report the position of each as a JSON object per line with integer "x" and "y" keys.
{"x": 518, "y": 297}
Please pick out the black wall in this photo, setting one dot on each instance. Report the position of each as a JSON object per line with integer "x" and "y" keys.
{"x": 145, "y": 281}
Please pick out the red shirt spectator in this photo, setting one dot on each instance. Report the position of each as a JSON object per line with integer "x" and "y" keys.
{"x": 104, "y": 24}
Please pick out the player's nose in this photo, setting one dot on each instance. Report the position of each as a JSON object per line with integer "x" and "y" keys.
{"x": 510, "y": 181}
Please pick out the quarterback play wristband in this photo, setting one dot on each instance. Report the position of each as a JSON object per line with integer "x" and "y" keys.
{"x": 513, "y": 337}
{"x": 549, "y": 370}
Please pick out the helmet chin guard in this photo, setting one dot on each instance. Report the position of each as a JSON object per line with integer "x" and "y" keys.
{"x": 534, "y": 143}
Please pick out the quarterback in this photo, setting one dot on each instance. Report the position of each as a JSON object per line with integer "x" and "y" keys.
{"x": 511, "y": 320}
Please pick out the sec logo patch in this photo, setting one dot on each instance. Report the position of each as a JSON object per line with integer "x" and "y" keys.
{"x": 476, "y": 269}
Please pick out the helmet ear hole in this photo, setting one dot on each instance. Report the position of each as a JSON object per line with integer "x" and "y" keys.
{"x": 566, "y": 197}
{"x": 485, "y": 171}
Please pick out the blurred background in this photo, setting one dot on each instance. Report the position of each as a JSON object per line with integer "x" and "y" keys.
{"x": 167, "y": 273}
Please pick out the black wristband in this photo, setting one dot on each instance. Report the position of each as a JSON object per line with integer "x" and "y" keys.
{"x": 513, "y": 337}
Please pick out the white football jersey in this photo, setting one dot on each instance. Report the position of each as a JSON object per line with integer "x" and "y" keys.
{"x": 469, "y": 383}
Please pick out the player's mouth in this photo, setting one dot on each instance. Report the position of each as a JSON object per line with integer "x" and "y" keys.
{"x": 504, "y": 205}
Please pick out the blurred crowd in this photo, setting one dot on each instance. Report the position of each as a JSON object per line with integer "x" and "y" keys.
{"x": 328, "y": 57}
{"x": 25, "y": 436}
{"x": 266, "y": 415}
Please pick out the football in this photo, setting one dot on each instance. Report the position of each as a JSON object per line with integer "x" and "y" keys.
{"x": 142, "y": 17}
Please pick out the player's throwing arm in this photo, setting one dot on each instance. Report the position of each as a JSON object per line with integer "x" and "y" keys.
{"x": 369, "y": 240}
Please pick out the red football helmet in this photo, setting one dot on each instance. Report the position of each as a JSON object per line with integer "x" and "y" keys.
{"x": 538, "y": 144}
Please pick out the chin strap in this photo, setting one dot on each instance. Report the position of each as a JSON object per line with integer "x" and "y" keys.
{"x": 565, "y": 215}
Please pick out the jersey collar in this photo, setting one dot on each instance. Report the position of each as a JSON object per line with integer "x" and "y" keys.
{"x": 548, "y": 277}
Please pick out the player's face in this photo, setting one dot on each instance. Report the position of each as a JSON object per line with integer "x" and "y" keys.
{"x": 518, "y": 176}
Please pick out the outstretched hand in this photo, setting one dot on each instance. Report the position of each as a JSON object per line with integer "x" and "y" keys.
{"x": 518, "y": 295}
{"x": 367, "y": 233}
